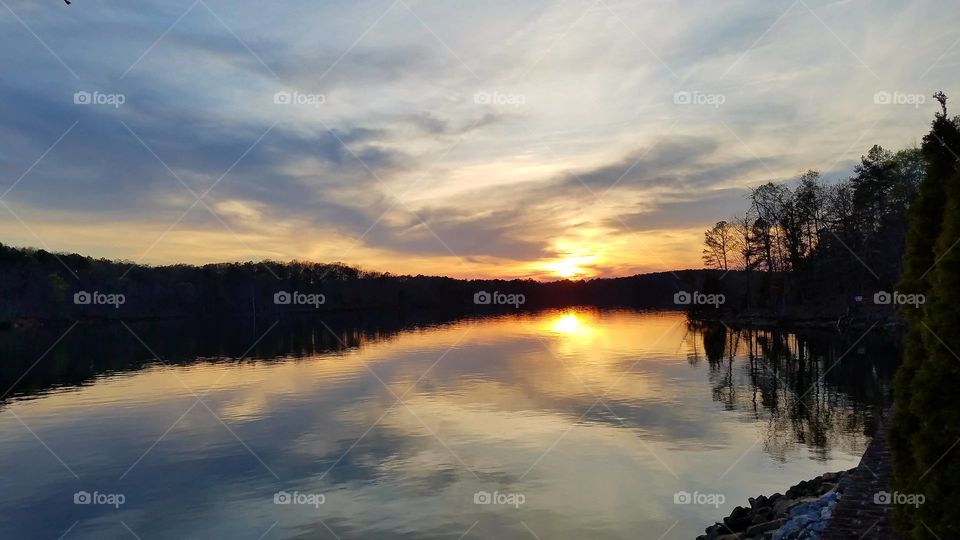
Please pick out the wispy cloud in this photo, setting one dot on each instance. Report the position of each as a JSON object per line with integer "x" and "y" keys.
{"x": 506, "y": 134}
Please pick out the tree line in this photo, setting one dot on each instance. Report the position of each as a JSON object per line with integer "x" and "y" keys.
{"x": 809, "y": 223}
{"x": 811, "y": 240}
{"x": 37, "y": 286}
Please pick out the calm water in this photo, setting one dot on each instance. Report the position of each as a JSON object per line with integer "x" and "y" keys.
{"x": 583, "y": 423}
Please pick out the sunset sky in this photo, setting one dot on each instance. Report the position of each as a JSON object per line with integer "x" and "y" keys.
{"x": 536, "y": 139}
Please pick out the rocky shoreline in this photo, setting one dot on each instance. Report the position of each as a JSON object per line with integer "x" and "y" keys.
{"x": 799, "y": 514}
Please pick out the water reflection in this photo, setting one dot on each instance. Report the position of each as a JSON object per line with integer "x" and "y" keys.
{"x": 36, "y": 359}
{"x": 596, "y": 417}
{"x": 817, "y": 388}
{"x": 570, "y": 324}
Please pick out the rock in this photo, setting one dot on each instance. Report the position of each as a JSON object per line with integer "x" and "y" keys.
{"x": 716, "y": 530}
{"x": 739, "y": 519}
{"x": 783, "y": 504}
{"x": 794, "y": 528}
{"x": 798, "y": 490}
{"x": 788, "y": 530}
{"x": 801, "y": 514}
{"x": 740, "y": 512}
{"x": 762, "y": 516}
{"x": 807, "y": 505}
{"x": 766, "y": 512}
{"x": 764, "y": 527}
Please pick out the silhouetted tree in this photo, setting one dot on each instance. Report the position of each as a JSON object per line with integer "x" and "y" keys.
{"x": 721, "y": 244}
{"x": 926, "y": 425}
{"x": 824, "y": 243}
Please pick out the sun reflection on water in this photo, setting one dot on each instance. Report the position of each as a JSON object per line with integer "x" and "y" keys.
{"x": 571, "y": 324}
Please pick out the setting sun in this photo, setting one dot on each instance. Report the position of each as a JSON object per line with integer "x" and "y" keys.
{"x": 569, "y": 267}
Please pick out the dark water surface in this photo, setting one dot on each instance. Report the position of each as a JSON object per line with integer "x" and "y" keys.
{"x": 571, "y": 424}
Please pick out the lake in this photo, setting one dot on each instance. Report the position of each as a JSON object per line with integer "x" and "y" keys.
{"x": 577, "y": 423}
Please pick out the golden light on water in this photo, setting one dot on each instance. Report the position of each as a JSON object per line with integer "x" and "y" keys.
{"x": 570, "y": 324}
{"x": 567, "y": 323}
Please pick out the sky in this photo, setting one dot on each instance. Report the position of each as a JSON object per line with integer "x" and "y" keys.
{"x": 533, "y": 139}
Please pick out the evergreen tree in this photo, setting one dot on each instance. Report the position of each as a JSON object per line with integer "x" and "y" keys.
{"x": 926, "y": 425}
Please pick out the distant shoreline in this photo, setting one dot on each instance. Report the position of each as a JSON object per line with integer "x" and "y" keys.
{"x": 39, "y": 287}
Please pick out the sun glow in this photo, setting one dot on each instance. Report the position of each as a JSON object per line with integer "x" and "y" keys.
{"x": 569, "y": 267}
{"x": 570, "y": 324}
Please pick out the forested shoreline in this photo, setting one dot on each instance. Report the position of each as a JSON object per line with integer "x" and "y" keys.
{"x": 38, "y": 287}
{"x": 817, "y": 248}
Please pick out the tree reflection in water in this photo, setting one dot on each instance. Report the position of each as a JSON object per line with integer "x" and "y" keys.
{"x": 815, "y": 388}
